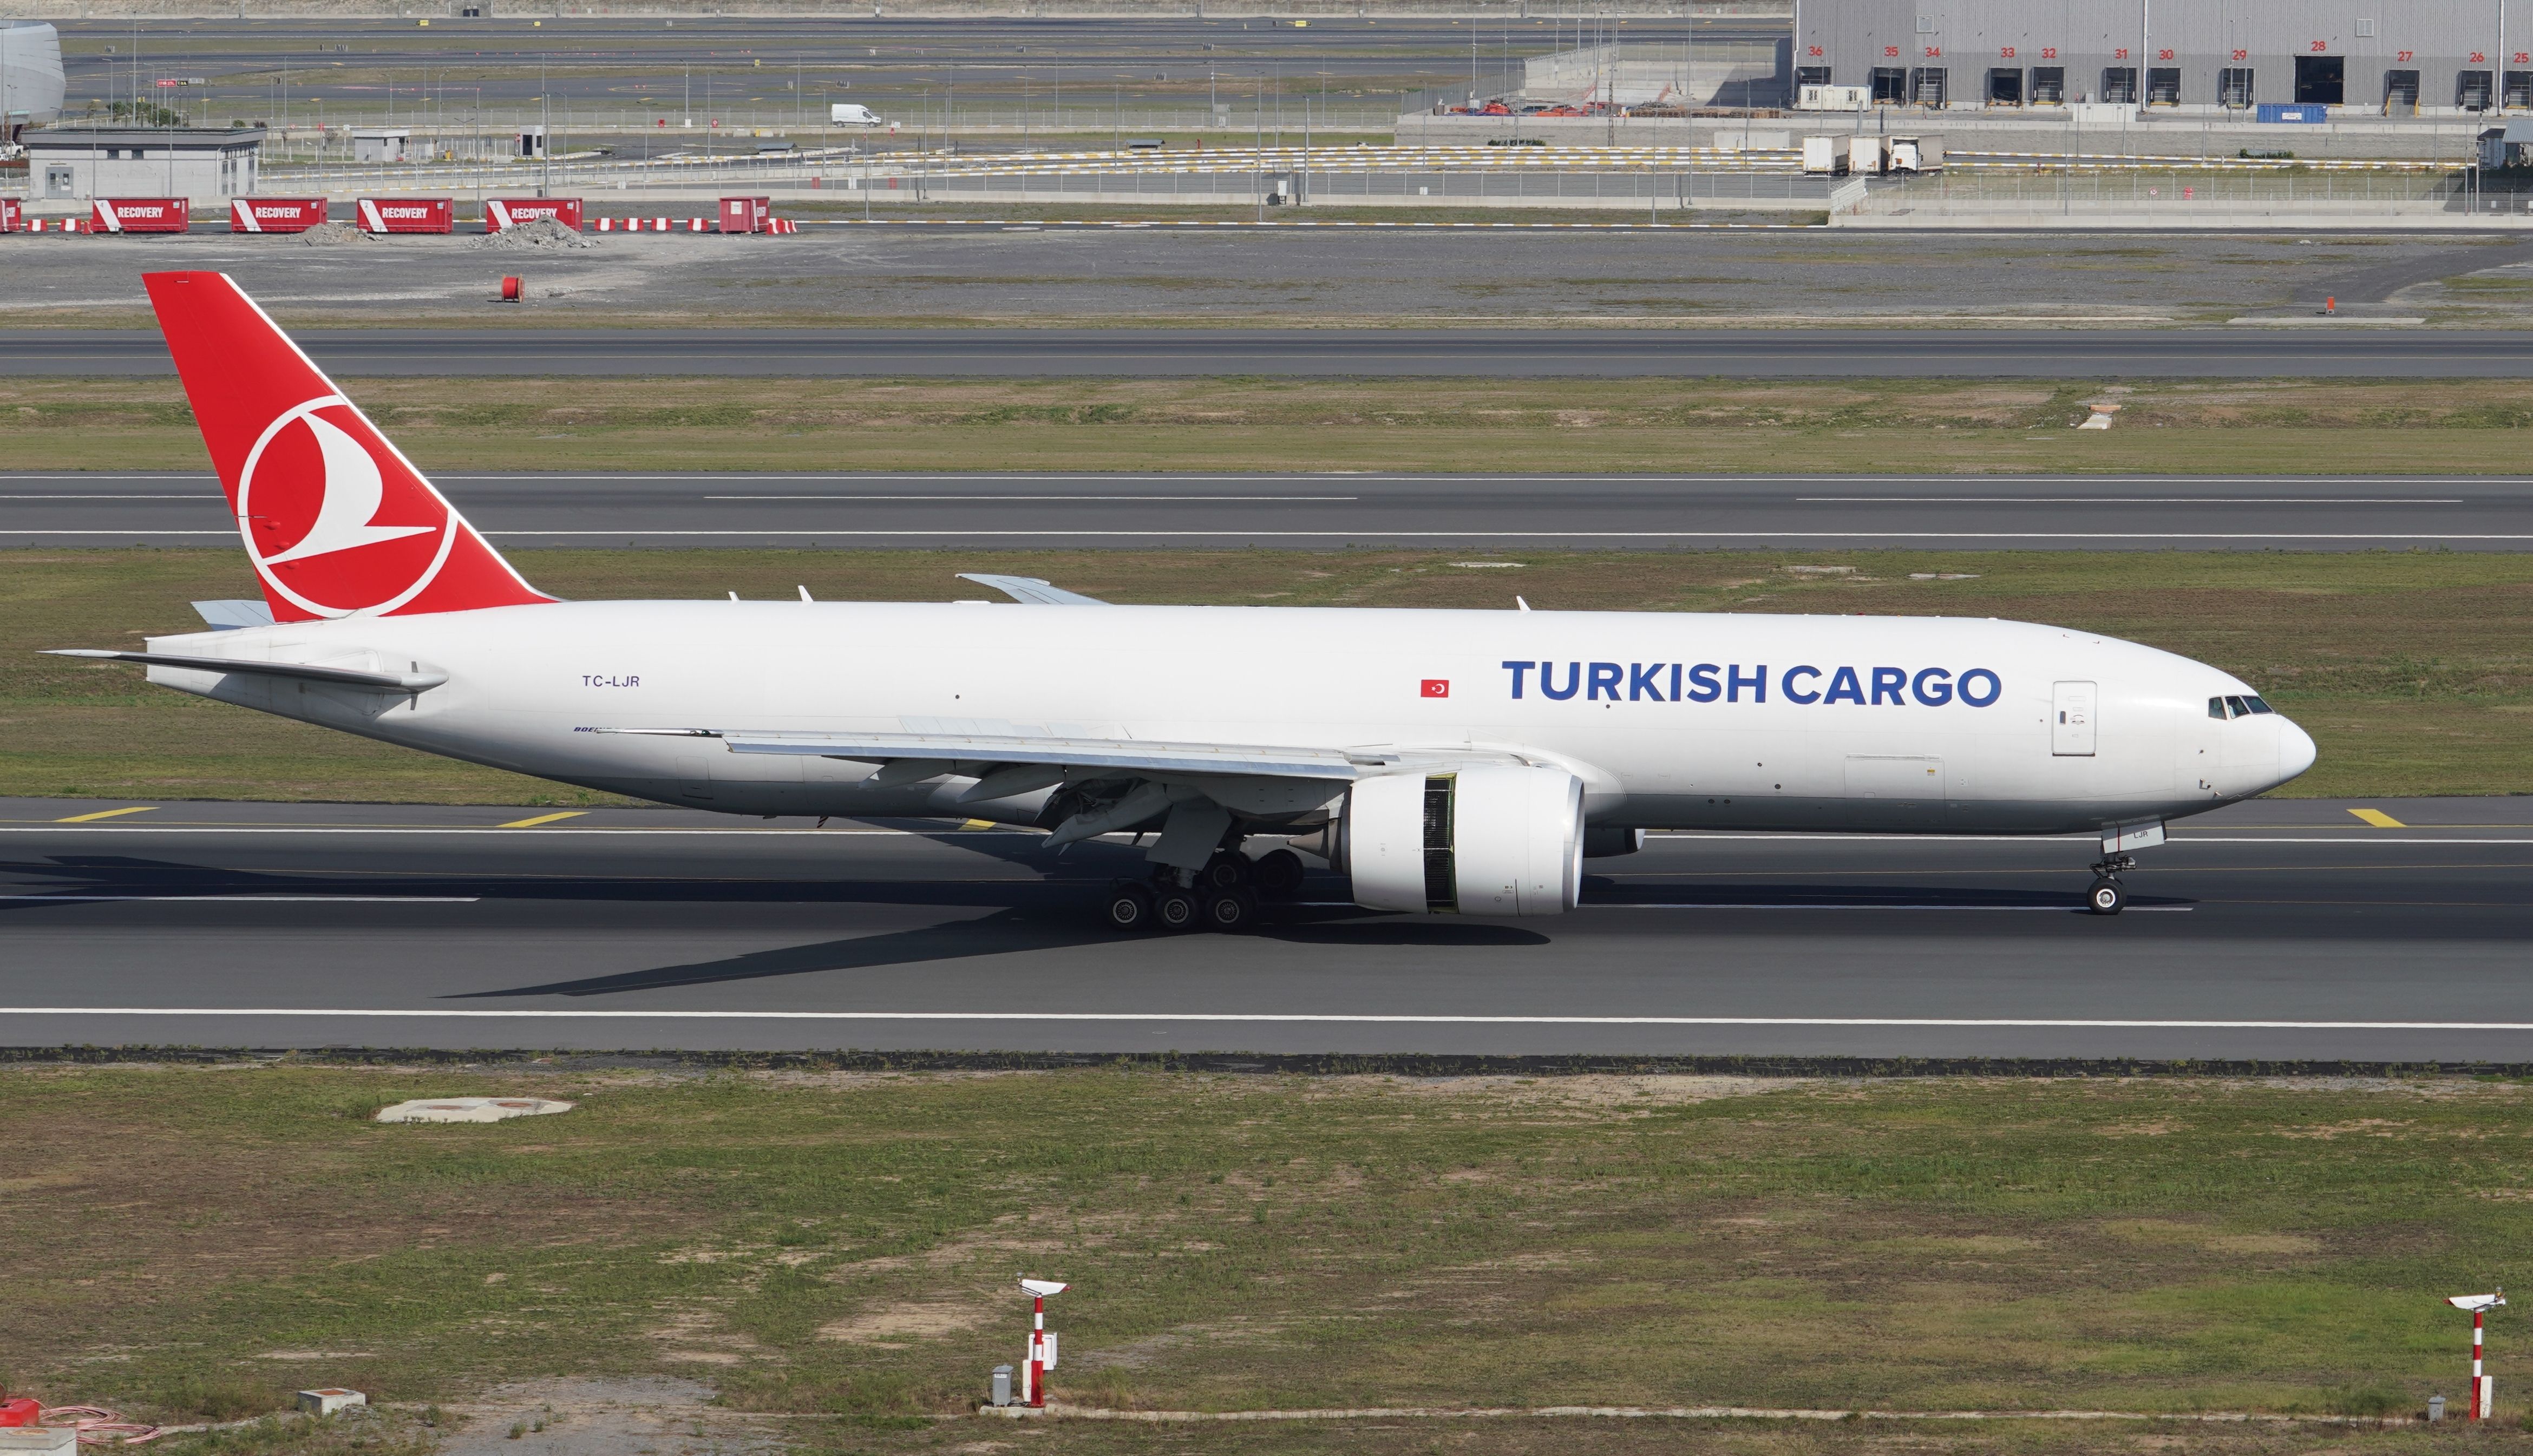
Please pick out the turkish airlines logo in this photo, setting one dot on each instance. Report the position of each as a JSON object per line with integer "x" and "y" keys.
{"x": 1435, "y": 687}
{"x": 334, "y": 519}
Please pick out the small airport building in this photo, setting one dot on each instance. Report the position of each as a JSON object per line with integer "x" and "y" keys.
{"x": 2384, "y": 57}
{"x": 76, "y": 164}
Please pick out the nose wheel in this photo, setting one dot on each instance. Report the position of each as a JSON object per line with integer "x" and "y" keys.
{"x": 2107, "y": 895}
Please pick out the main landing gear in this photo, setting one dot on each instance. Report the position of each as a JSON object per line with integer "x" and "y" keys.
{"x": 1225, "y": 894}
{"x": 2109, "y": 896}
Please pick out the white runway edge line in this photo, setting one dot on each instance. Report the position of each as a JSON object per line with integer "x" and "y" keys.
{"x": 1279, "y": 1017}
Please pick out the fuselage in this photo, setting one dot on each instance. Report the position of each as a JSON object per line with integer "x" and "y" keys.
{"x": 1905, "y": 725}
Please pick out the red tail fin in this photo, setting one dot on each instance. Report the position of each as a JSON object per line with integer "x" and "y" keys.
{"x": 336, "y": 520}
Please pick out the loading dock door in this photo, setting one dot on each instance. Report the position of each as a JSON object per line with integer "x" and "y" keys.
{"x": 1926, "y": 86}
{"x": 2004, "y": 87}
{"x": 2400, "y": 93}
{"x": 2322, "y": 79}
{"x": 2071, "y": 721}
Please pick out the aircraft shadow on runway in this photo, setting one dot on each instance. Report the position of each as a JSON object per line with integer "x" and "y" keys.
{"x": 1007, "y": 933}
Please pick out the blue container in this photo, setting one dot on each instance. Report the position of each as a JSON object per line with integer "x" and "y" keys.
{"x": 2305, "y": 112}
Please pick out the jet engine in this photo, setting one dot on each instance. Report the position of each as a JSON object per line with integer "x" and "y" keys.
{"x": 1484, "y": 839}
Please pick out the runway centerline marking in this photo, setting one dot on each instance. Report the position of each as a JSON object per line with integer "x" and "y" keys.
{"x": 106, "y": 814}
{"x": 1281, "y": 1018}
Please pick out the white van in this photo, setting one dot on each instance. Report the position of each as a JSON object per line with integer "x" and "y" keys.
{"x": 852, "y": 114}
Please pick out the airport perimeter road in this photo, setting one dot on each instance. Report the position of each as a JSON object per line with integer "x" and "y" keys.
{"x": 2288, "y": 930}
{"x": 1475, "y": 512}
{"x": 1488, "y": 353}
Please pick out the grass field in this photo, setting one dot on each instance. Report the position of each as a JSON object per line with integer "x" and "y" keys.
{"x": 198, "y": 1242}
{"x": 1995, "y": 427}
{"x": 2413, "y": 671}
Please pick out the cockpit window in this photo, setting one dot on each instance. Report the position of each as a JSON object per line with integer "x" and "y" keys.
{"x": 2217, "y": 708}
{"x": 2237, "y": 707}
{"x": 2260, "y": 707}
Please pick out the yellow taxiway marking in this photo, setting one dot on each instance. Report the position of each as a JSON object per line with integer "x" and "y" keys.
{"x": 974, "y": 824}
{"x": 106, "y": 814}
{"x": 2378, "y": 819}
{"x": 542, "y": 819}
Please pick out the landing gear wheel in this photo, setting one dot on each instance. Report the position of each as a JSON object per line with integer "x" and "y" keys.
{"x": 1231, "y": 909}
{"x": 1279, "y": 875}
{"x": 1129, "y": 907}
{"x": 1227, "y": 871}
{"x": 2109, "y": 896}
{"x": 1174, "y": 909}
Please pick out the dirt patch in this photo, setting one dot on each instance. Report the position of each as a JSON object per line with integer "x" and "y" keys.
{"x": 899, "y": 1322}
{"x": 657, "y": 1417}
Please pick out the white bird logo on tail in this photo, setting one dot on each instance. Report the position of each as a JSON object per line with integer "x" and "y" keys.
{"x": 353, "y": 492}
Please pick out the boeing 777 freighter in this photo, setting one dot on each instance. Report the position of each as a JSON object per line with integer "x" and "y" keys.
{"x": 1448, "y": 762}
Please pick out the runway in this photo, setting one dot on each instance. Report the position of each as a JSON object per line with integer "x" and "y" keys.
{"x": 1483, "y": 353}
{"x": 2279, "y": 930}
{"x": 1478, "y": 512}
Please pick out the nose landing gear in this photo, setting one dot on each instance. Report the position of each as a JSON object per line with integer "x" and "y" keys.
{"x": 2107, "y": 895}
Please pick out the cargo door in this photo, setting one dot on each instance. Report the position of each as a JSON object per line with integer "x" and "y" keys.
{"x": 2071, "y": 719}
{"x": 1901, "y": 778}
{"x": 1889, "y": 790}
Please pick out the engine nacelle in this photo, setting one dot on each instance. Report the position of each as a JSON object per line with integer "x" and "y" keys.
{"x": 1485, "y": 840}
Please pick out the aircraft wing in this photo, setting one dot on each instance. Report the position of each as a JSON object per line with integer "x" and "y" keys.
{"x": 944, "y": 753}
{"x": 1033, "y": 590}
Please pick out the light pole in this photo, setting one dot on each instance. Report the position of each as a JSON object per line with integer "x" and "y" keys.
{"x": 1041, "y": 1345}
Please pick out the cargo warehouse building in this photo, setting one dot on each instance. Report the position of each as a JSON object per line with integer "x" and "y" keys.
{"x": 2386, "y": 57}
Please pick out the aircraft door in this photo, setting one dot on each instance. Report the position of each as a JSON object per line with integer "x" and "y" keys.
{"x": 2071, "y": 721}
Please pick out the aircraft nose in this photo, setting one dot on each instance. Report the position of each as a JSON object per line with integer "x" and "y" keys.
{"x": 2295, "y": 750}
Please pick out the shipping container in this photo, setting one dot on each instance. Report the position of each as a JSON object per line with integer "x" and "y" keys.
{"x": 505, "y": 213}
{"x": 407, "y": 214}
{"x": 1916, "y": 153}
{"x": 139, "y": 215}
{"x": 745, "y": 215}
{"x": 275, "y": 214}
{"x": 1824, "y": 155}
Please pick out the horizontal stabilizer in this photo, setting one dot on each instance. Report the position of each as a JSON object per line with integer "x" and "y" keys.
{"x": 1031, "y": 590}
{"x": 1122, "y": 755}
{"x": 412, "y": 682}
{"x": 225, "y": 616}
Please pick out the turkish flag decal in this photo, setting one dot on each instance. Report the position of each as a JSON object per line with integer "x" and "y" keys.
{"x": 1438, "y": 687}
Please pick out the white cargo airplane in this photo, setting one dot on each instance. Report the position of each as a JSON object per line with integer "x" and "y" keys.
{"x": 1449, "y": 761}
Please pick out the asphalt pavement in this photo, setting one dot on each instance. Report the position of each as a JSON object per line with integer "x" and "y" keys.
{"x": 1479, "y": 512}
{"x": 2278, "y": 930}
{"x": 2243, "y": 352}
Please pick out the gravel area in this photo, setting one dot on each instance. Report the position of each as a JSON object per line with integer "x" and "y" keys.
{"x": 838, "y": 275}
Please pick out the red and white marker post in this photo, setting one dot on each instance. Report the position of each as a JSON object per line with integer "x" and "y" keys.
{"x": 2483, "y": 1391}
{"x": 1041, "y": 1345}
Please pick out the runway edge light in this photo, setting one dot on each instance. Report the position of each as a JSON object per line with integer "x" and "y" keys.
{"x": 2483, "y": 1398}
{"x": 1041, "y": 1341}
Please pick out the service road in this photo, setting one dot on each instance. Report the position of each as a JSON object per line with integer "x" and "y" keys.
{"x": 1477, "y": 513}
{"x": 2295, "y": 929}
